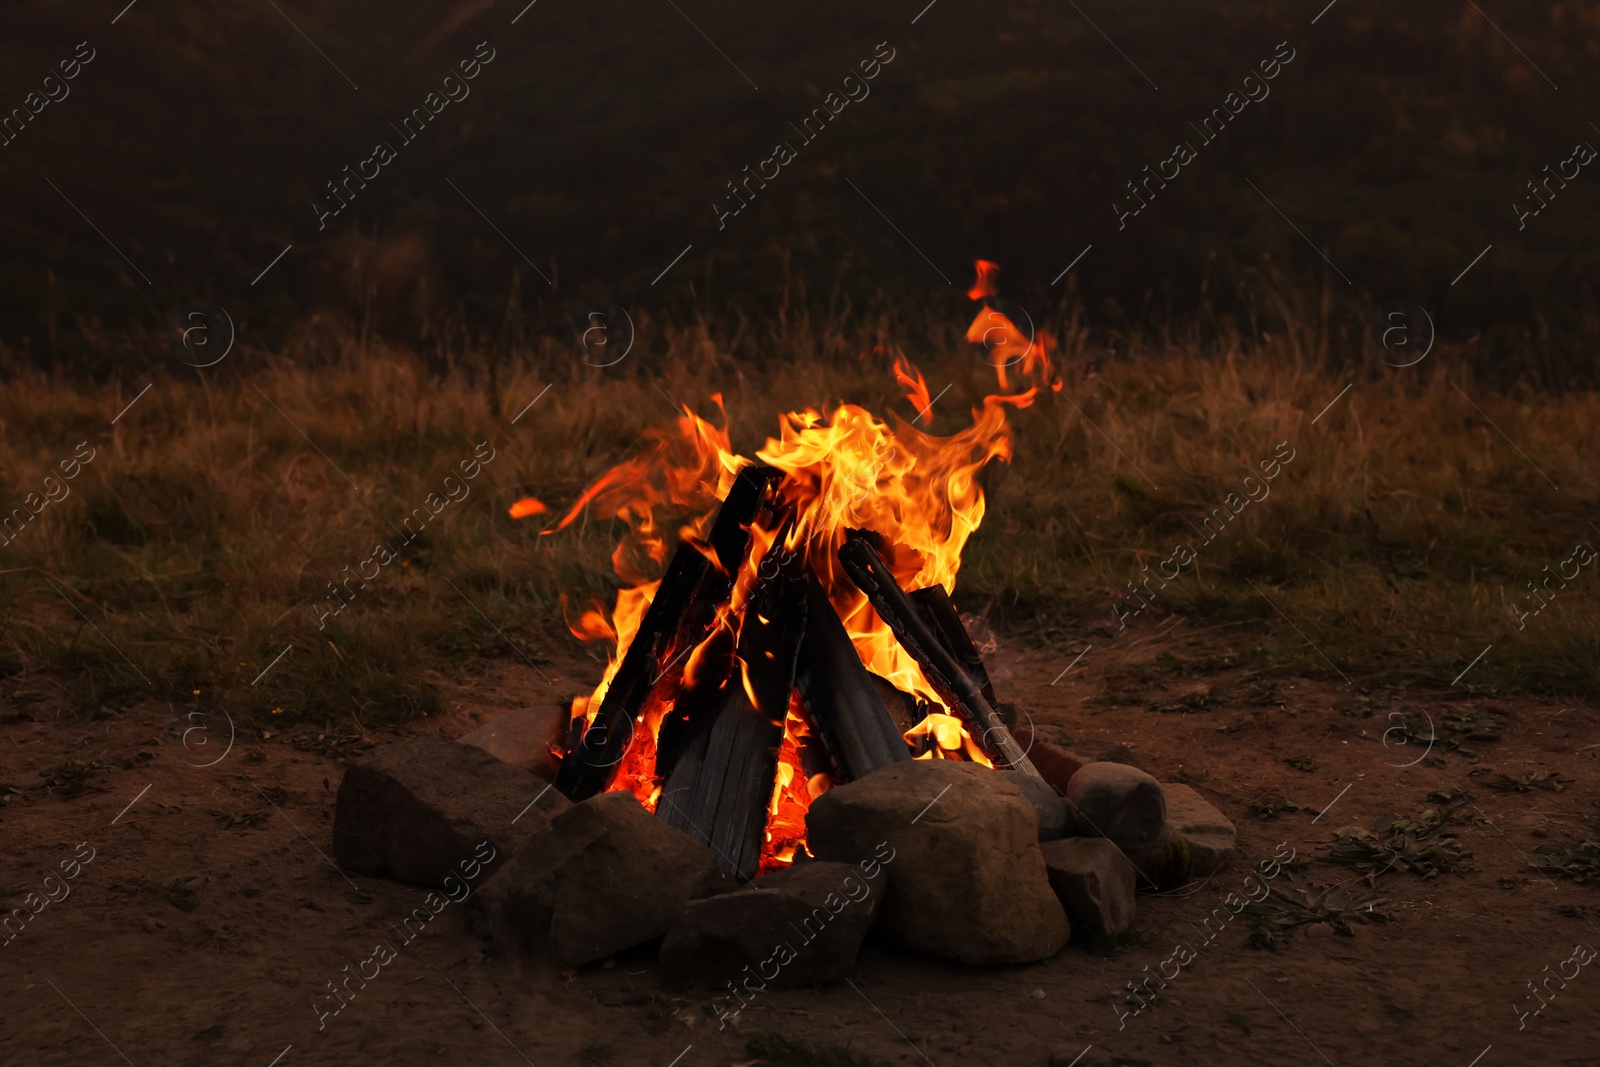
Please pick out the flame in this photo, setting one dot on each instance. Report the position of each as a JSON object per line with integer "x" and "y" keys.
{"x": 792, "y": 793}
{"x": 1011, "y": 348}
{"x": 845, "y": 468}
{"x": 591, "y": 625}
{"x": 528, "y": 505}
{"x": 1008, "y": 345}
{"x": 950, "y": 739}
{"x": 988, "y": 283}
{"x": 906, "y": 373}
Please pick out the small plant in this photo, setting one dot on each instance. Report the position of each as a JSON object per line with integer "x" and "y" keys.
{"x": 1581, "y": 862}
{"x": 1272, "y": 805}
{"x": 72, "y": 778}
{"x": 1457, "y": 731}
{"x": 1526, "y": 784}
{"x": 1287, "y": 907}
{"x": 1424, "y": 845}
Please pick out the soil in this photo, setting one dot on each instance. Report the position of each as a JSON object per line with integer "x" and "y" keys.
{"x": 210, "y": 916}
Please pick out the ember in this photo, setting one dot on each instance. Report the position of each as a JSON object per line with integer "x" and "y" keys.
{"x": 749, "y": 670}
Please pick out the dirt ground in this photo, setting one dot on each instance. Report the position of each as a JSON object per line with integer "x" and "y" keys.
{"x": 210, "y": 916}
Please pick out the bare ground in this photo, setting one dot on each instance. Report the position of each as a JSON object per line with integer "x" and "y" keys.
{"x": 200, "y": 933}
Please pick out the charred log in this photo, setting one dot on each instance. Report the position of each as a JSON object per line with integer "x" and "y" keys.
{"x": 841, "y": 697}
{"x": 945, "y": 622}
{"x": 904, "y": 708}
{"x": 722, "y": 784}
{"x": 696, "y": 698}
{"x": 865, "y": 566}
{"x": 684, "y": 605}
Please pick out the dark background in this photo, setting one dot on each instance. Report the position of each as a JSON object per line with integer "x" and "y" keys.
{"x": 598, "y": 138}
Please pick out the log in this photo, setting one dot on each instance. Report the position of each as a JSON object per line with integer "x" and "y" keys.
{"x": 904, "y": 708}
{"x": 694, "y": 702}
{"x": 840, "y": 695}
{"x": 721, "y": 786}
{"x": 695, "y": 705}
{"x": 945, "y": 622}
{"x": 690, "y": 582}
{"x": 945, "y": 674}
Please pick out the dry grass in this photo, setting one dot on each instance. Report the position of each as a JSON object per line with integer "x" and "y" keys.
{"x": 206, "y": 527}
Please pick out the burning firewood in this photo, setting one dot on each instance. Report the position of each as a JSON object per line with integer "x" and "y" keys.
{"x": 955, "y": 687}
{"x": 690, "y": 580}
{"x": 720, "y": 788}
{"x": 841, "y": 695}
{"x": 945, "y": 622}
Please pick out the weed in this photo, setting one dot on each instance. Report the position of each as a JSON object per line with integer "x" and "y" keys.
{"x": 1580, "y": 862}
{"x": 1290, "y": 906}
{"x": 1529, "y": 781}
{"x": 72, "y": 778}
{"x": 1271, "y": 806}
{"x": 1424, "y": 845}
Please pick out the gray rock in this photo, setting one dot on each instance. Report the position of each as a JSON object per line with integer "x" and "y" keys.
{"x": 1054, "y": 820}
{"x": 426, "y": 809}
{"x": 606, "y": 876}
{"x": 794, "y": 928}
{"x": 1213, "y": 840}
{"x": 528, "y": 738}
{"x": 1162, "y": 863}
{"x": 960, "y": 846}
{"x": 1095, "y": 882}
{"x": 1116, "y": 801}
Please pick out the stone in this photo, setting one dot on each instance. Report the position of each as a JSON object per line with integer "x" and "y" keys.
{"x": 1212, "y": 838}
{"x": 794, "y": 928}
{"x": 1162, "y": 863}
{"x": 605, "y": 877}
{"x": 528, "y": 738}
{"x": 1054, "y": 820}
{"x": 960, "y": 846}
{"x": 418, "y": 810}
{"x": 1116, "y": 801}
{"x": 1095, "y": 882}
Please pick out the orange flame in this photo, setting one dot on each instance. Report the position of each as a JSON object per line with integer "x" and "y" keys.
{"x": 950, "y": 739}
{"x": 988, "y": 283}
{"x": 906, "y": 373}
{"x": 591, "y": 625}
{"x": 528, "y": 505}
{"x": 792, "y": 793}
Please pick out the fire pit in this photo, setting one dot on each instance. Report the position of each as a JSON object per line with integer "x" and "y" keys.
{"x": 793, "y": 719}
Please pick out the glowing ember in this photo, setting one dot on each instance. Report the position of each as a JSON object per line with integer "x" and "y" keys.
{"x": 844, "y": 469}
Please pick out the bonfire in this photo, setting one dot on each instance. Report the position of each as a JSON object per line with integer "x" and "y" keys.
{"x": 784, "y": 622}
